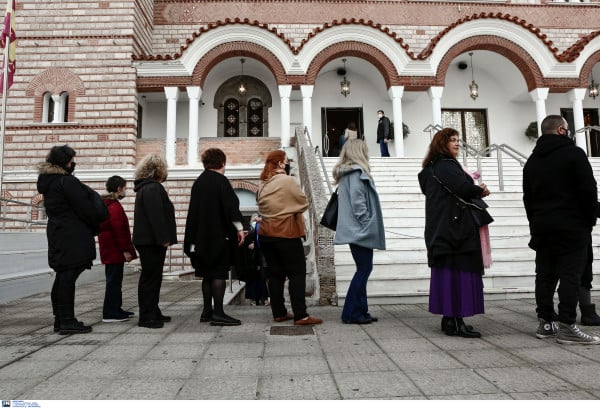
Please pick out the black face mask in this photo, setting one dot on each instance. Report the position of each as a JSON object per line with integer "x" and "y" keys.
{"x": 287, "y": 169}
{"x": 71, "y": 169}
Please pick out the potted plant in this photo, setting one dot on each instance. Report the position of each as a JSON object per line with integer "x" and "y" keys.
{"x": 405, "y": 131}
{"x": 532, "y": 131}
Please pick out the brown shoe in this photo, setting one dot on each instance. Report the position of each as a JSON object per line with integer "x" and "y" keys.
{"x": 308, "y": 321}
{"x": 285, "y": 318}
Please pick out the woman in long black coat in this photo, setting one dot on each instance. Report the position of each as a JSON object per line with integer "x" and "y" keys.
{"x": 75, "y": 212}
{"x": 154, "y": 230}
{"x": 213, "y": 229}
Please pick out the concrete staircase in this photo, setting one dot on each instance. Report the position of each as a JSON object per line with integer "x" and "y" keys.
{"x": 401, "y": 274}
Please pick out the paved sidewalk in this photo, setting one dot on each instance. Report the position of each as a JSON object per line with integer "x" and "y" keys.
{"x": 403, "y": 356}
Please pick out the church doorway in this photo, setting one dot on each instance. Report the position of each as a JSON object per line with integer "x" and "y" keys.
{"x": 333, "y": 123}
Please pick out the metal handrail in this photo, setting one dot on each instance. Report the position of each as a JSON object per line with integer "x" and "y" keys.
{"x": 28, "y": 221}
{"x": 317, "y": 151}
{"x": 485, "y": 152}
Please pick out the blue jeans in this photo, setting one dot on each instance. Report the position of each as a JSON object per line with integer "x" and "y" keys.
{"x": 384, "y": 149}
{"x": 355, "y": 305}
{"x": 113, "y": 296}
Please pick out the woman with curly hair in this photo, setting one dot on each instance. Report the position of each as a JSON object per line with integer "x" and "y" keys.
{"x": 154, "y": 230}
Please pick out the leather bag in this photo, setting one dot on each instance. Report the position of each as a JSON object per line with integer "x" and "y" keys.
{"x": 330, "y": 215}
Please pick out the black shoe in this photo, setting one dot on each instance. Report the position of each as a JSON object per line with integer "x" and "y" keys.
{"x": 151, "y": 324}
{"x": 127, "y": 312}
{"x": 205, "y": 316}
{"x": 449, "y": 326}
{"x": 164, "y": 318}
{"x": 358, "y": 321}
{"x": 373, "y": 318}
{"x": 445, "y": 320}
{"x": 72, "y": 326}
{"x": 463, "y": 331}
{"x": 223, "y": 320}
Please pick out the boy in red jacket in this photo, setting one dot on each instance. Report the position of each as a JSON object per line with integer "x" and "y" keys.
{"x": 115, "y": 249}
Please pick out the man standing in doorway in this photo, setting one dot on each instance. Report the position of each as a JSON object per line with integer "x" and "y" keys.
{"x": 383, "y": 133}
{"x": 560, "y": 197}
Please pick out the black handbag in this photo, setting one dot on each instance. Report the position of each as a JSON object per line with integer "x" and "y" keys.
{"x": 330, "y": 215}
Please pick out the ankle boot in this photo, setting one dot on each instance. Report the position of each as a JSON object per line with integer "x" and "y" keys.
{"x": 450, "y": 326}
{"x": 463, "y": 331}
{"x": 589, "y": 316}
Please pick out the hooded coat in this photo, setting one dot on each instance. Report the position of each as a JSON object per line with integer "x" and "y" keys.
{"x": 560, "y": 194}
{"x": 360, "y": 219}
{"x": 115, "y": 236}
{"x": 209, "y": 228}
{"x": 73, "y": 218}
{"x": 154, "y": 214}
{"x": 450, "y": 244}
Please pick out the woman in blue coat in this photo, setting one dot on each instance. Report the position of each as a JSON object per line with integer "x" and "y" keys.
{"x": 360, "y": 224}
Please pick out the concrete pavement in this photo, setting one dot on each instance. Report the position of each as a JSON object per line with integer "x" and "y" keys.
{"x": 403, "y": 356}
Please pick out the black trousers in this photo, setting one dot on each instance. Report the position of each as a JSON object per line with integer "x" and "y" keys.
{"x": 564, "y": 269}
{"x": 152, "y": 260}
{"x": 63, "y": 293}
{"x": 285, "y": 257}
{"x": 113, "y": 295}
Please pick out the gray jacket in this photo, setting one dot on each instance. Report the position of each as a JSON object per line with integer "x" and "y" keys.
{"x": 360, "y": 220}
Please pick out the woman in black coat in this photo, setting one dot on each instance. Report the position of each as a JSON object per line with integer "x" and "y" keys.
{"x": 213, "y": 230}
{"x": 154, "y": 230}
{"x": 452, "y": 236}
{"x": 75, "y": 212}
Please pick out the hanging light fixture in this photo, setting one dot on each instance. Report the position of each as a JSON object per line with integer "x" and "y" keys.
{"x": 473, "y": 88}
{"x": 345, "y": 84}
{"x": 593, "y": 89}
{"x": 242, "y": 87}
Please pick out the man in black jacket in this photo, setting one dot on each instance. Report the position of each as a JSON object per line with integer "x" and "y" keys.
{"x": 560, "y": 197}
{"x": 383, "y": 133}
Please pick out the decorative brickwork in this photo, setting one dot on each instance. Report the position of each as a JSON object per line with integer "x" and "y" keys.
{"x": 55, "y": 81}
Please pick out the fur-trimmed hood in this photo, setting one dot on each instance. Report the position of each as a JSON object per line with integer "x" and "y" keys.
{"x": 48, "y": 172}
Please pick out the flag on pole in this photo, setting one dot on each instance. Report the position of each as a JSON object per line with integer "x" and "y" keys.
{"x": 8, "y": 36}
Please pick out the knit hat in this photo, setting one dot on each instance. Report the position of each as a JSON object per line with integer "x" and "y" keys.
{"x": 60, "y": 155}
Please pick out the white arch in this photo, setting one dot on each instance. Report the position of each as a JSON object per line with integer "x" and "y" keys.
{"x": 524, "y": 38}
{"x": 353, "y": 32}
{"x": 590, "y": 48}
{"x": 185, "y": 65}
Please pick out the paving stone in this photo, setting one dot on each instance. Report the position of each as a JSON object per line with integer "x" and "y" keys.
{"x": 11, "y": 389}
{"x": 119, "y": 352}
{"x": 550, "y": 355}
{"x": 351, "y": 345}
{"x": 218, "y": 388}
{"x": 445, "y": 342}
{"x": 234, "y": 350}
{"x": 228, "y": 367}
{"x": 297, "y": 387}
{"x": 290, "y": 346}
{"x": 523, "y": 379}
{"x": 164, "y": 368}
{"x": 586, "y": 376}
{"x": 386, "y": 384}
{"x": 31, "y": 369}
{"x": 456, "y": 382}
{"x": 94, "y": 369}
{"x": 176, "y": 351}
{"x": 549, "y": 395}
{"x": 518, "y": 340}
{"x": 60, "y": 352}
{"x": 402, "y": 345}
{"x": 486, "y": 358}
{"x": 56, "y": 388}
{"x": 359, "y": 362}
{"x": 487, "y": 397}
{"x": 424, "y": 360}
{"x": 292, "y": 365}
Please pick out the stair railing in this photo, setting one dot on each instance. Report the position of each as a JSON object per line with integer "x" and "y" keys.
{"x": 468, "y": 150}
{"x": 28, "y": 220}
{"x": 318, "y": 153}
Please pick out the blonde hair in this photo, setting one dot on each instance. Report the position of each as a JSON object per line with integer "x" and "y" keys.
{"x": 354, "y": 152}
{"x": 152, "y": 166}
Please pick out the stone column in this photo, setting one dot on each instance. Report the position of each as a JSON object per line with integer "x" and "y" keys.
{"x": 172, "y": 93}
{"x": 395, "y": 93}
{"x": 576, "y": 97}
{"x": 284, "y": 93}
{"x": 58, "y": 102}
{"x": 435, "y": 94}
{"x": 194, "y": 94}
{"x": 539, "y": 96}
{"x": 307, "y": 91}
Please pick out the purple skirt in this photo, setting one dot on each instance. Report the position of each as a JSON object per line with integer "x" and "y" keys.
{"x": 455, "y": 293}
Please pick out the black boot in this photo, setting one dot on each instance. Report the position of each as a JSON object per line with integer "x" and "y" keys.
{"x": 589, "y": 316}
{"x": 450, "y": 326}
{"x": 67, "y": 322}
{"x": 463, "y": 331}
{"x": 206, "y": 314}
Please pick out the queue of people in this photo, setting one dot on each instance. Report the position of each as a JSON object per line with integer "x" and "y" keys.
{"x": 561, "y": 216}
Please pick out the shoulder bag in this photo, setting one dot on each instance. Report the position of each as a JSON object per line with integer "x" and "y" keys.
{"x": 330, "y": 216}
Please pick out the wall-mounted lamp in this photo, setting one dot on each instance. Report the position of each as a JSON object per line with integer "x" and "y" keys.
{"x": 473, "y": 88}
{"x": 593, "y": 89}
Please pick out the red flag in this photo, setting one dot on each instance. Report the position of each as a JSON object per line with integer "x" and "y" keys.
{"x": 8, "y": 35}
